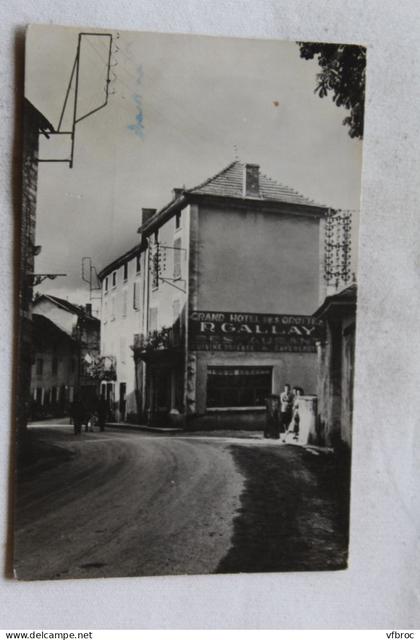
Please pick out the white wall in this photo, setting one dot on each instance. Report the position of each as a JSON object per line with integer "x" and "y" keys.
{"x": 120, "y": 320}
{"x": 257, "y": 262}
{"x": 168, "y": 292}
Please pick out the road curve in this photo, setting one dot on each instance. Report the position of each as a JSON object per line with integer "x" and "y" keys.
{"x": 127, "y": 504}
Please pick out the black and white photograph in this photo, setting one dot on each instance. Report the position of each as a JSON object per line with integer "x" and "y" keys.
{"x": 188, "y": 297}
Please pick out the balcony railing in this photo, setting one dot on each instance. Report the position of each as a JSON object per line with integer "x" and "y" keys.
{"x": 164, "y": 339}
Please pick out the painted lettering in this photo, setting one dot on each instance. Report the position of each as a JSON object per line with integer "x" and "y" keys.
{"x": 207, "y": 327}
{"x": 227, "y": 327}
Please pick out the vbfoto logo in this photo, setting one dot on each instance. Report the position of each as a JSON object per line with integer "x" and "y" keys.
{"x": 399, "y": 634}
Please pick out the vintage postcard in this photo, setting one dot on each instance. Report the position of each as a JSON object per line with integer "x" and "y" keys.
{"x": 188, "y": 295}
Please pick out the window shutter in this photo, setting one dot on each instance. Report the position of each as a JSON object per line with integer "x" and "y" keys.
{"x": 136, "y": 296}
{"x": 177, "y": 258}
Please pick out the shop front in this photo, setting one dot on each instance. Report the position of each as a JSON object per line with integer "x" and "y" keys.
{"x": 236, "y": 360}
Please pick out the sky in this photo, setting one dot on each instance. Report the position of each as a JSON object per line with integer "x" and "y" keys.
{"x": 180, "y": 109}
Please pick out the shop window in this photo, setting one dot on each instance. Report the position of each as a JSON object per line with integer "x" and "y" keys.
{"x": 238, "y": 386}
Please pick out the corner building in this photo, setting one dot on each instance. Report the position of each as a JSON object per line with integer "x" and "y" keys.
{"x": 233, "y": 280}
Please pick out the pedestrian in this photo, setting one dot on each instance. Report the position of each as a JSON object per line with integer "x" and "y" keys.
{"x": 286, "y": 408}
{"x": 272, "y": 417}
{"x": 294, "y": 426}
{"x": 77, "y": 412}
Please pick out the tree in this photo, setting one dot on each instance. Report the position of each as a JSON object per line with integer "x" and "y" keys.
{"x": 343, "y": 74}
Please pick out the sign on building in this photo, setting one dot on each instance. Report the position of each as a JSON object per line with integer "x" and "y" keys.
{"x": 231, "y": 331}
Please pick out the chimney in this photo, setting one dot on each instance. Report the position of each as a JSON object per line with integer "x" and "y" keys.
{"x": 177, "y": 191}
{"x": 251, "y": 181}
{"x": 88, "y": 309}
{"x": 146, "y": 214}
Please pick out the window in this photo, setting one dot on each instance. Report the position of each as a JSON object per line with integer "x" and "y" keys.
{"x": 177, "y": 258}
{"x": 125, "y": 270}
{"x": 124, "y": 303}
{"x": 136, "y": 296}
{"x": 178, "y": 220}
{"x": 238, "y": 386}
{"x": 54, "y": 366}
{"x": 114, "y": 279}
{"x": 39, "y": 366}
{"x": 153, "y": 319}
{"x": 106, "y": 284}
{"x": 138, "y": 262}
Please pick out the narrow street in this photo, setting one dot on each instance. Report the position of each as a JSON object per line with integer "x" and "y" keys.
{"x": 127, "y": 503}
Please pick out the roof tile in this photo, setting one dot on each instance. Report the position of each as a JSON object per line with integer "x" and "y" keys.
{"x": 229, "y": 183}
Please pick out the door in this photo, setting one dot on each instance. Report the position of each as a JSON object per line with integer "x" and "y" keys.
{"x": 122, "y": 401}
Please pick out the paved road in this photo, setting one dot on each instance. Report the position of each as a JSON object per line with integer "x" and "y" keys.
{"x": 127, "y": 504}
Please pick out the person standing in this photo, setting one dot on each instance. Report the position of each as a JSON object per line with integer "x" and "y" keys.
{"x": 286, "y": 409}
{"x": 78, "y": 414}
{"x": 294, "y": 426}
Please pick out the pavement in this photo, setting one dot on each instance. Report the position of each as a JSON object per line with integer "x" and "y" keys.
{"x": 130, "y": 503}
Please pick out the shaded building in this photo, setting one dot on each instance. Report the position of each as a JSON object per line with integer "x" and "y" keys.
{"x": 34, "y": 125}
{"x": 65, "y": 346}
{"x": 336, "y": 367}
{"x": 337, "y": 311}
{"x": 54, "y": 374}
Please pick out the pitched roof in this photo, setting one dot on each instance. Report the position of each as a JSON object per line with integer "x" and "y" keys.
{"x": 68, "y": 306}
{"x": 229, "y": 183}
{"x": 345, "y": 298}
{"x": 46, "y": 333}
